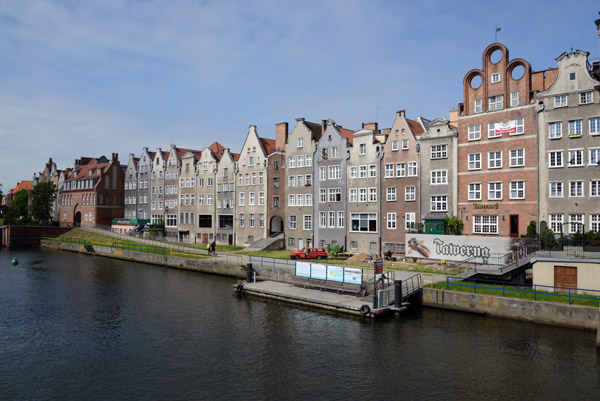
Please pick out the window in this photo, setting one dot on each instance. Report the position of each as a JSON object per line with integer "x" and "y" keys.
{"x": 555, "y": 130}
{"x": 300, "y": 160}
{"x": 575, "y": 157}
{"x": 439, "y": 152}
{"x": 514, "y": 99}
{"x": 308, "y": 159}
{"x": 496, "y": 102}
{"x": 171, "y": 220}
{"x": 292, "y": 181}
{"x": 253, "y": 180}
{"x": 335, "y": 172}
{"x": 331, "y": 219}
{"x": 362, "y": 171}
{"x": 300, "y": 200}
{"x": 322, "y": 219}
{"x": 556, "y": 189}
{"x": 251, "y": 220}
{"x": 391, "y": 221}
{"x": 478, "y": 106}
{"x": 308, "y": 200}
{"x": 495, "y": 159}
{"x": 251, "y": 198}
{"x": 492, "y": 131}
{"x": 291, "y": 200}
{"x": 363, "y": 222}
{"x": 475, "y": 161}
{"x": 519, "y": 126}
{"x": 394, "y": 145}
{"x": 353, "y": 172}
{"x": 576, "y": 189}
{"x": 576, "y": 223}
{"x": 439, "y": 203}
{"x": 560, "y": 101}
{"x": 495, "y": 78}
{"x": 340, "y": 219}
{"x": 410, "y": 193}
{"x": 586, "y": 97}
{"x": 292, "y": 162}
{"x": 474, "y": 132}
{"x": 595, "y": 126}
{"x": 291, "y": 242}
{"x": 322, "y": 195}
{"x": 517, "y": 190}
{"x": 439, "y": 177}
{"x": 404, "y": 144}
{"x": 555, "y": 158}
{"x": 594, "y": 156}
{"x": 391, "y": 194}
{"x": 353, "y": 195}
{"x": 595, "y": 188}
{"x": 556, "y": 222}
{"x": 485, "y": 224}
{"x": 595, "y": 222}
{"x": 307, "y": 222}
{"x": 276, "y": 201}
{"x": 400, "y": 170}
{"x": 389, "y": 171}
{"x": 362, "y": 194}
{"x": 494, "y": 190}
{"x": 517, "y": 157}
{"x": 412, "y": 169}
{"x": 409, "y": 220}
{"x": 292, "y": 222}
{"x": 241, "y": 219}
{"x": 261, "y": 198}
{"x": 335, "y": 195}
{"x": 335, "y": 152}
{"x": 300, "y": 180}
{"x": 572, "y": 76}
{"x": 363, "y": 148}
{"x": 474, "y": 191}
{"x": 575, "y": 128}
{"x": 300, "y": 142}
{"x": 372, "y": 194}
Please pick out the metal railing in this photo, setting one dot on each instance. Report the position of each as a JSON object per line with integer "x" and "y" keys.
{"x": 139, "y": 248}
{"x": 539, "y": 292}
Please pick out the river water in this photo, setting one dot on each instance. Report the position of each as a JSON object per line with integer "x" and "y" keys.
{"x": 82, "y": 327}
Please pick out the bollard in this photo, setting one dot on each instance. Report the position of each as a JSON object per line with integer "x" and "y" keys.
{"x": 398, "y": 294}
{"x": 14, "y": 262}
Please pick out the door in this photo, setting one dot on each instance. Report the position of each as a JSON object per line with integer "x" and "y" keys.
{"x": 205, "y": 238}
{"x": 514, "y": 225}
{"x": 565, "y": 276}
{"x": 300, "y": 243}
{"x": 230, "y": 239}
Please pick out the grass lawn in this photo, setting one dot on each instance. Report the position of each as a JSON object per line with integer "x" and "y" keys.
{"x": 271, "y": 253}
{"x": 219, "y": 248}
{"x": 512, "y": 291}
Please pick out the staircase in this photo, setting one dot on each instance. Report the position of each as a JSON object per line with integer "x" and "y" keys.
{"x": 265, "y": 243}
{"x": 500, "y": 266}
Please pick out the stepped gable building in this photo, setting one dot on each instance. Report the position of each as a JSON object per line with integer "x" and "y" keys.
{"x": 497, "y": 145}
{"x": 93, "y": 192}
{"x": 131, "y": 188}
{"x": 207, "y": 168}
{"x": 438, "y": 181}
{"x": 276, "y": 199}
{"x": 299, "y": 152}
{"x": 363, "y": 208}
{"x": 52, "y": 174}
{"x": 252, "y": 200}
{"x": 157, "y": 183}
{"x": 330, "y": 185}
{"x": 187, "y": 197}
{"x": 569, "y": 157}
{"x": 144, "y": 185}
{"x": 225, "y": 197}
{"x": 400, "y": 182}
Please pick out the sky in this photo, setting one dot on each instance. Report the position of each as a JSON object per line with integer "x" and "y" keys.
{"x": 90, "y": 78}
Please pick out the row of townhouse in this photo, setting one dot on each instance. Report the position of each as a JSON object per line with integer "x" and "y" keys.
{"x": 522, "y": 146}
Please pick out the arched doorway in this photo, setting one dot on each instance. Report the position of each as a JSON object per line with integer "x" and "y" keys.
{"x": 77, "y": 219}
{"x": 276, "y": 224}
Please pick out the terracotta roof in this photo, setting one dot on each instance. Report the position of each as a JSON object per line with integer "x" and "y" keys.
{"x": 26, "y": 185}
{"x": 346, "y": 133}
{"x": 151, "y": 154}
{"x": 235, "y": 156}
{"x": 181, "y": 152}
{"x": 452, "y": 126}
{"x": 316, "y": 129}
{"x": 83, "y": 171}
{"x": 415, "y": 127}
{"x": 268, "y": 145}
{"x": 217, "y": 149}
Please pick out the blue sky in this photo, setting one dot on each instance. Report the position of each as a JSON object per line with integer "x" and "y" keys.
{"x": 86, "y": 78}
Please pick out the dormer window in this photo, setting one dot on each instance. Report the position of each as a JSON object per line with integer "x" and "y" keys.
{"x": 495, "y": 78}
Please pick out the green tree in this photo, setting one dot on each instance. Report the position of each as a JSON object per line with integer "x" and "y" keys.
{"x": 42, "y": 200}
{"x": 18, "y": 210}
{"x": 531, "y": 230}
{"x": 548, "y": 239}
{"x": 453, "y": 225}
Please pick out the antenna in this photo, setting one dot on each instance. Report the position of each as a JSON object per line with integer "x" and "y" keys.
{"x": 498, "y": 29}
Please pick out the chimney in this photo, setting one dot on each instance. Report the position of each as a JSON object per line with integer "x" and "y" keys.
{"x": 371, "y": 126}
{"x": 453, "y": 116}
{"x": 281, "y": 134}
{"x": 172, "y": 146}
{"x": 400, "y": 113}
{"x": 323, "y": 126}
{"x": 115, "y": 157}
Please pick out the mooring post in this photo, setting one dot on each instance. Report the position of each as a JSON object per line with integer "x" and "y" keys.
{"x": 398, "y": 294}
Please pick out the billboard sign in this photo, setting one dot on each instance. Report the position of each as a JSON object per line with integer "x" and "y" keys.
{"x": 303, "y": 269}
{"x": 335, "y": 273}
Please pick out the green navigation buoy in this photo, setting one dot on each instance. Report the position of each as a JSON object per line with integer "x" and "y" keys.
{"x": 14, "y": 262}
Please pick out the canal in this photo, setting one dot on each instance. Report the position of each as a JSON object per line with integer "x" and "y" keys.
{"x": 82, "y": 327}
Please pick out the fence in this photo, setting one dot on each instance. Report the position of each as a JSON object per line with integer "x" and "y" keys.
{"x": 539, "y": 292}
{"x": 139, "y": 248}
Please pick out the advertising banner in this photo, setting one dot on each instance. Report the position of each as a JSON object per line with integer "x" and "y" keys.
{"x": 352, "y": 276}
{"x": 505, "y": 128}
{"x": 318, "y": 271}
{"x": 459, "y": 247}
{"x": 303, "y": 269}
{"x": 335, "y": 273}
